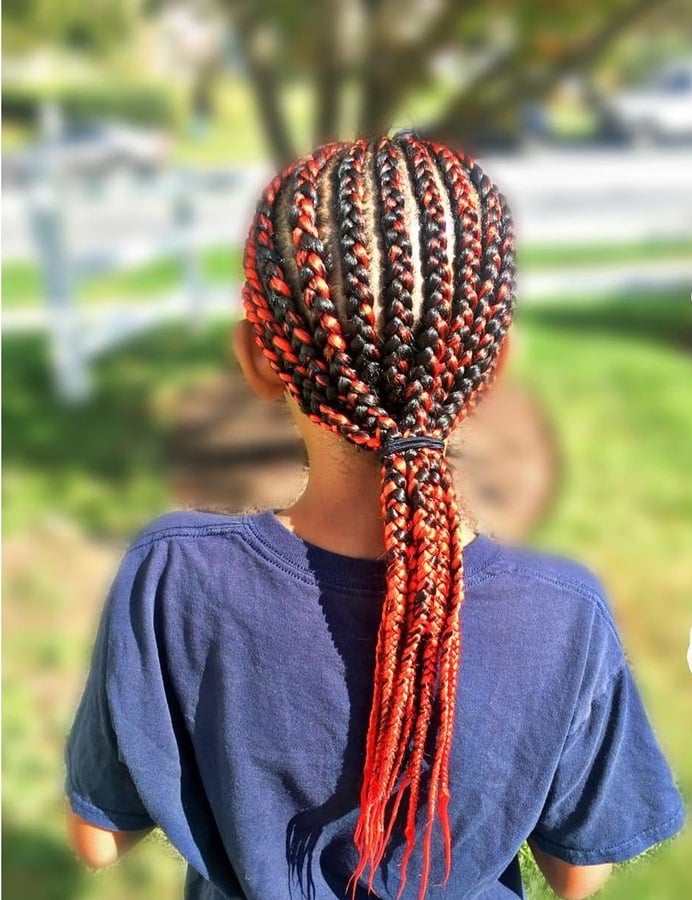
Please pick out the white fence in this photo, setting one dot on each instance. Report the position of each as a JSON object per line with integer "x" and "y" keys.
{"x": 606, "y": 197}
{"x": 78, "y": 335}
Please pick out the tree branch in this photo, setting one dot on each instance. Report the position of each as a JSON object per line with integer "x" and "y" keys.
{"x": 507, "y": 85}
{"x": 407, "y": 68}
{"x": 262, "y": 75}
{"x": 392, "y": 67}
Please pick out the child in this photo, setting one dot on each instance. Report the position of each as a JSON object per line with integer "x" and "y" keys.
{"x": 286, "y": 694}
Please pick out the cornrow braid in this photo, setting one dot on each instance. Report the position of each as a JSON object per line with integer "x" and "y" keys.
{"x": 379, "y": 282}
{"x": 360, "y": 323}
{"x": 345, "y": 388}
{"x": 433, "y": 355}
{"x": 397, "y": 317}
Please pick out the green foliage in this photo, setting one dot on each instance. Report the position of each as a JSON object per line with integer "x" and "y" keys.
{"x": 141, "y": 104}
{"x": 498, "y": 57}
{"x": 636, "y": 57}
{"x": 90, "y": 27}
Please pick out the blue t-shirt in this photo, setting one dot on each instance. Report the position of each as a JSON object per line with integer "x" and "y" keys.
{"x": 228, "y": 700}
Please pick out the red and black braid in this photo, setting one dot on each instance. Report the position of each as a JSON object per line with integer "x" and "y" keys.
{"x": 360, "y": 324}
{"x": 397, "y": 277}
{"x": 361, "y": 416}
{"x": 432, "y": 362}
{"x": 380, "y": 285}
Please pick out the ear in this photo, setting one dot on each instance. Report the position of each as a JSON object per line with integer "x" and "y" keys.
{"x": 258, "y": 373}
{"x": 504, "y": 353}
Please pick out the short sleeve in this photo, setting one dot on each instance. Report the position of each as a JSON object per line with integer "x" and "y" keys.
{"x": 130, "y": 757}
{"x": 613, "y": 794}
{"x": 99, "y": 786}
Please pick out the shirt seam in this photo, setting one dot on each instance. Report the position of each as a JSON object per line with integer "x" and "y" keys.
{"x": 565, "y": 584}
{"x": 269, "y": 554}
{"x": 356, "y": 587}
{"x": 242, "y": 525}
{"x": 109, "y": 813}
{"x": 481, "y": 573}
{"x": 170, "y": 531}
{"x": 652, "y": 829}
{"x": 241, "y": 528}
{"x": 584, "y": 720}
{"x": 579, "y": 588}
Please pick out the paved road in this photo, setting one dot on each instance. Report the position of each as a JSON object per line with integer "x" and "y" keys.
{"x": 589, "y": 196}
{"x": 613, "y": 196}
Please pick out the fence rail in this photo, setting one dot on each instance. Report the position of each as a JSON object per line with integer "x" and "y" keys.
{"x": 557, "y": 198}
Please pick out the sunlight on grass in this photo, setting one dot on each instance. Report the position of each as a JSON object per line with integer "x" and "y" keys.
{"x": 620, "y": 409}
{"x": 22, "y": 285}
{"x": 538, "y": 257}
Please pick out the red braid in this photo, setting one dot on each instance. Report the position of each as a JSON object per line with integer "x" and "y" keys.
{"x": 377, "y": 343}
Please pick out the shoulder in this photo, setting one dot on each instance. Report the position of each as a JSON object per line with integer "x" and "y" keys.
{"x": 561, "y": 595}
{"x": 189, "y": 550}
{"x": 550, "y": 573}
{"x": 187, "y": 523}
{"x": 182, "y": 564}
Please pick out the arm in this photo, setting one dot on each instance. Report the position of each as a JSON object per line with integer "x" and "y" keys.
{"x": 98, "y": 847}
{"x": 567, "y": 880}
{"x": 105, "y": 814}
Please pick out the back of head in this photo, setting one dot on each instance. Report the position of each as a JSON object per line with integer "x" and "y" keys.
{"x": 380, "y": 285}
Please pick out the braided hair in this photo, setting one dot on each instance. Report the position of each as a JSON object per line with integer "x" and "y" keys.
{"x": 380, "y": 286}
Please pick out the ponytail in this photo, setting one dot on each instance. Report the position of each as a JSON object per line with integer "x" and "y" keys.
{"x": 379, "y": 283}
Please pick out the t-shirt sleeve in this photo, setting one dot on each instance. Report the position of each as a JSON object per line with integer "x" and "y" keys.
{"x": 130, "y": 756}
{"x": 99, "y": 785}
{"x": 613, "y": 794}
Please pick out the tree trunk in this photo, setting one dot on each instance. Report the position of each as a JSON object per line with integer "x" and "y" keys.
{"x": 263, "y": 78}
{"x": 329, "y": 81}
{"x": 403, "y": 72}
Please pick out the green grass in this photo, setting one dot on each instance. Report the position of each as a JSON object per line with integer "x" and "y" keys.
{"x": 616, "y": 379}
{"x": 109, "y": 479}
{"x": 99, "y": 469}
{"x": 538, "y": 256}
{"x": 22, "y": 286}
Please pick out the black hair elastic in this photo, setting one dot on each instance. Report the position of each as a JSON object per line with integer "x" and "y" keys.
{"x": 414, "y": 442}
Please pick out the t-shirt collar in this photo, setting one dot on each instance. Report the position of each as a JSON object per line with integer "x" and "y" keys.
{"x": 339, "y": 569}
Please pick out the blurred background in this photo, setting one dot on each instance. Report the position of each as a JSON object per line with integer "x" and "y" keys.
{"x": 136, "y": 136}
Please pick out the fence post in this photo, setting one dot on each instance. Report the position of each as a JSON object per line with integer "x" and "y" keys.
{"x": 48, "y": 226}
{"x": 66, "y": 350}
{"x": 184, "y": 225}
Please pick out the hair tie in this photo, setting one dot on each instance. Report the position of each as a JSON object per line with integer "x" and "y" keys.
{"x": 414, "y": 442}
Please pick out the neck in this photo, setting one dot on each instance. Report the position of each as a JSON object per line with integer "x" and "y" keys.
{"x": 340, "y": 507}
